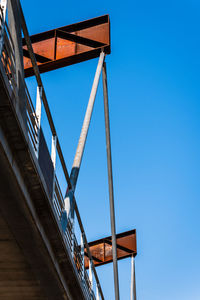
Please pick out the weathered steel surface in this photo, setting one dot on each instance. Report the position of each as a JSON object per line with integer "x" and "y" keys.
{"x": 101, "y": 250}
{"x": 68, "y": 45}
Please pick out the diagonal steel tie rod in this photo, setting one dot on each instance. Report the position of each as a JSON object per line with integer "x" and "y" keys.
{"x": 110, "y": 182}
{"x": 86, "y": 124}
{"x": 69, "y": 197}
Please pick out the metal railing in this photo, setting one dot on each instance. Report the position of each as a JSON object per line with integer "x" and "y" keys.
{"x": 32, "y": 121}
{"x": 77, "y": 250}
{"x": 7, "y": 52}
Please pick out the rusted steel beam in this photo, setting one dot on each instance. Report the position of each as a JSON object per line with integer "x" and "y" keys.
{"x": 68, "y": 45}
{"x": 101, "y": 250}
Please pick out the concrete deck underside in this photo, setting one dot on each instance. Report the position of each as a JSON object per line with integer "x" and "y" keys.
{"x": 34, "y": 261}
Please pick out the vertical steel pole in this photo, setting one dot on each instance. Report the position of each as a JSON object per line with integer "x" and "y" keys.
{"x": 110, "y": 181}
{"x": 133, "y": 284}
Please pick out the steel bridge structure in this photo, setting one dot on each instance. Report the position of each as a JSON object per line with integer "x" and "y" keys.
{"x": 41, "y": 256}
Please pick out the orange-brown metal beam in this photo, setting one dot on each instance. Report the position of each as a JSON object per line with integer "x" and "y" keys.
{"x": 68, "y": 45}
{"x": 101, "y": 250}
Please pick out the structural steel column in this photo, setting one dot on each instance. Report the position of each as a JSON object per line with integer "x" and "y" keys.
{"x": 133, "y": 284}
{"x": 14, "y": 20}
{"x": 110, "y": 181}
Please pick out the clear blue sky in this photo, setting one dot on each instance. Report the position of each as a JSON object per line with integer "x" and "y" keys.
{"x": 154, "y": 93}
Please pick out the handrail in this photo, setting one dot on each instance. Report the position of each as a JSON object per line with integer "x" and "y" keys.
{"x": 44, "y": 98}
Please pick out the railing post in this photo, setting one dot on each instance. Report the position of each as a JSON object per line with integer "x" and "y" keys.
{"x": 38, "y": 111}
{"x": 53, "y": 150}
{"x": 90, "y": 275}
{"x": 53, "y": 158}
{"x": 73, "y": 235}
{"x": 3, "y": 6}
{"x": 83, "y": 256}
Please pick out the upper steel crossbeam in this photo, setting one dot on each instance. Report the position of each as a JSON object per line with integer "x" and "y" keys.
{"x": 68, "y": 45}
{"x": 101, "y": 250}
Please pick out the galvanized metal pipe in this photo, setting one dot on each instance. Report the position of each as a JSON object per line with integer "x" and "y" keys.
{"x": 110, "y": 182}
{"x": 133, "y": 284}
{"x": 86, "y": 124}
